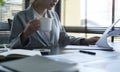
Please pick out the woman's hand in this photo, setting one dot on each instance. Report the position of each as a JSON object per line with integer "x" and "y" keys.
{"x": 92, "y": 40}
{"x": 31, "y": 27}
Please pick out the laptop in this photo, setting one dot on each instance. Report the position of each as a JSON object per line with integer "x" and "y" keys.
{"x": 102, "y": 43}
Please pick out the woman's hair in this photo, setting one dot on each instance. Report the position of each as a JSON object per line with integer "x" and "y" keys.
{"x": 31, "y": 1}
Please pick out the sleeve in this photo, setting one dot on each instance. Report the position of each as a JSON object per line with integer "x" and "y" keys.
{"x": 16, "y": 31}
{"x": 18, "y": 25}
{"x": 64, "y": 38}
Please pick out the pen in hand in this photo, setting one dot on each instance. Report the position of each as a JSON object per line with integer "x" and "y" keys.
{"x": 87, "y": 52}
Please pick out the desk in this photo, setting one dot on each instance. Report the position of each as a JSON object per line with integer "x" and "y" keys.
{"x": 85, "y": 62}
{"x": 91, "y": 63}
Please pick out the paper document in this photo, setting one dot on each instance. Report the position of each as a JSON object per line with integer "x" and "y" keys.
{"x": 111, "y": 65}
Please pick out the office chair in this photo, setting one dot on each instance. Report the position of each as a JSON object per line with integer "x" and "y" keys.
{"x": 10, "y": 23}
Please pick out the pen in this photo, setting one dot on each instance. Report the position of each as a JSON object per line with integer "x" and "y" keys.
{"x": 88, "y": 52}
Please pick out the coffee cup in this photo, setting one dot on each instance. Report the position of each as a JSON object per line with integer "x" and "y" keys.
{"x": 45, "y": 24}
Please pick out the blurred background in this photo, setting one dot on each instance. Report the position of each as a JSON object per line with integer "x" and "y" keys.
{"x": 81, "y": 18}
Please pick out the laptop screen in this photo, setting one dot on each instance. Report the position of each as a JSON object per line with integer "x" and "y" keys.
{"x": 102, "y": 42}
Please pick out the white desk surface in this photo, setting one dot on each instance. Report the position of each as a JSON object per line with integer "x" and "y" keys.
{"x": 103, "y": 61}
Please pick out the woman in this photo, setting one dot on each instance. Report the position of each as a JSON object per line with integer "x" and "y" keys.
{"x": 25, "y": 31}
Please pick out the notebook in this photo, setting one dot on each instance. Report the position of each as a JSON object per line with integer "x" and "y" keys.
{"x": 18, "y": 53}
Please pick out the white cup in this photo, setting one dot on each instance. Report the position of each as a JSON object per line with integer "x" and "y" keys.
{"x": 46, "y": 24}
